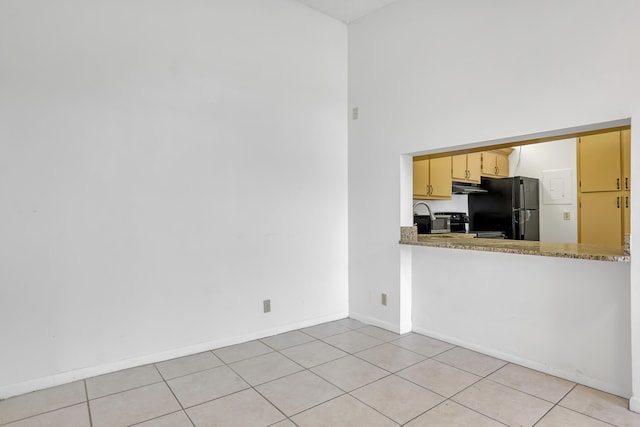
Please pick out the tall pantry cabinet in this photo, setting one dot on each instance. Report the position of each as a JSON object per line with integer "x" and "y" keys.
{"x": 604, "y": 185}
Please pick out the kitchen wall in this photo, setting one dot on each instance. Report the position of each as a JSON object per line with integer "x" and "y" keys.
{"x": 458, "y": 203}
{"x": 532, "y": 160}
{"x": 429, "y": 76}
{"x": 165, "y": 166}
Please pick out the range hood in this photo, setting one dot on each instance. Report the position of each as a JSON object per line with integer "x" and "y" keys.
{"x": 466, "y": 188}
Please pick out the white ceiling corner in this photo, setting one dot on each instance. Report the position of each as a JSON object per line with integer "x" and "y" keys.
{"x": 346, "y": 10}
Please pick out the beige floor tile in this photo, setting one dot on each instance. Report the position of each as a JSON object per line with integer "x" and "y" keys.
{"x": 313, "y": 353}
{"x": 177, "y": 419}
{"x": 504, "y": 404}
{"x": 397, "y": 398}
{"x": 286, "y": 340}
{"x": 72, "y": 416}
{"x": 188, "y": 365}
{"x": 350, "y": 323}
{"x": 603, "y": 406}
{"x": 349, "y": 373}
{"x": 470, "y": 361}
{"x": 133, "y": 406}
{"x": 37, "y": 402}
{"x": 536, "y": 383}
{"x": 381, "y": 334}
{"x": 342, "y": 411}
{"x": 450, "y": 414}
{"x": 390, "y": 357}
{"x": 438, "y": 377}
{"x": 242, "y": 351}
{"x": 298, "y": 392}
{"x": 242, "y": 409}
{"x": 285, "y": 423}
{"x": 562, "y": 417}
{"x": 422, "y": 345}
{"x": 122, "y": 380}
{"x": 200, "y": 387}
{"x": 265, "y": 368}
{"x": 325, "y": 330}
{"x": 352, "y": 341}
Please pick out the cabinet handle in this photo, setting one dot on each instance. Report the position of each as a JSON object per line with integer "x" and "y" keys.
{"x": 618, "y": 202}
{"x": 618, "y": 183}
{"x": 626, "y": 202}
{"x": 626, "y": 183}
{"x": 429, "y": 189}
{"x": 468, "y": 174}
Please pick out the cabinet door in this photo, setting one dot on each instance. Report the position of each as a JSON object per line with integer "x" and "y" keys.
{"x": 474, "y": 164}
{"x": 599, "y": 157}
{"x": 601, "y": 218}
{"x": 488, "y": 163}
{"x": 440, "y": 177}
{"x": 627, "y": 213}
{"x": 459, "y": 167}
{"x": 421, "y": 179}
{"x": 502, "y": 165}
{"x": 625, "y": 137}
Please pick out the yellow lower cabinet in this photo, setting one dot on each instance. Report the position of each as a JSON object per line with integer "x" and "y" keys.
{"x": 601, "y": 216}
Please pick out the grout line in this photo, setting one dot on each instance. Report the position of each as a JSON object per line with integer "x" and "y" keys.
{"x": 41, "y": 413}
{"x": 174, "y": 396}
{"x": 86, "y": 396}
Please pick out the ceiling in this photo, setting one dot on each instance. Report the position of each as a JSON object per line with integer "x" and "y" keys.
{"x": 346, "y": 10}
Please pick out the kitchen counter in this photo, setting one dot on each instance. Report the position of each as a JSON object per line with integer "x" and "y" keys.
{"x": 561, "y": 250}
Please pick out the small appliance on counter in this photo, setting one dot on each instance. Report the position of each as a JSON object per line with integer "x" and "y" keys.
{"x": 432, "y": 223}
{"x": 459, "y": 221}
{"x": 438, "y": 224}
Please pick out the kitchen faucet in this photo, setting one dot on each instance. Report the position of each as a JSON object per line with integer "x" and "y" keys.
{"x": 433, "y": 218}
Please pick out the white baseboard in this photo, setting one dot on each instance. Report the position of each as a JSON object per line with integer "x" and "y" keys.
{"x": 83, "y": 373}
{"x": 376, "y": 322}
{"x": 570, "y": 376}
{"x": 634, "y": 404}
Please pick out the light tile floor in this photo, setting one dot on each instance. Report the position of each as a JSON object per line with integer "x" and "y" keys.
{"x": 341, "y": 373}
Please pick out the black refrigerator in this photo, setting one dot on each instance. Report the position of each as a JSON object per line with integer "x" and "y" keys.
{"x": 510, "y": 205}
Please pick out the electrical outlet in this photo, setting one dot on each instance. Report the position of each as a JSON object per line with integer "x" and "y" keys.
{"x": 383, "y": 299}
{"x": 566, "y": 215}
{"x": 266, "y": 305}
{"x": 354, "y": 113}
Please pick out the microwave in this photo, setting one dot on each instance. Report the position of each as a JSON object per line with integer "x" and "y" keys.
{"x": 439, "y": 224}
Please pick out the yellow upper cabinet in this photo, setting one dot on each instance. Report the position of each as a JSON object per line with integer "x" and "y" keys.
{"x": 466, "y": 167}
{"x": 599, "y": 162}
{"x": 432, "y": 178}
{"x": 495, "y": 163}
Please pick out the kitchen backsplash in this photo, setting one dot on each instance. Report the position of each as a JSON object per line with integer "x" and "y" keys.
{"x": 458, "y": 203}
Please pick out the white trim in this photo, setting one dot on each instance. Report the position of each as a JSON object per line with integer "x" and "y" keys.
{"x": 377, "y": 322}
{"x": 80, "y": 374}
{"x": 634, "y": 404}
{"x": 570, "y": 376}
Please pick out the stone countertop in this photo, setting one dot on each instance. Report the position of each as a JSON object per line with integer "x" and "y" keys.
{"x": 560, "y": 250}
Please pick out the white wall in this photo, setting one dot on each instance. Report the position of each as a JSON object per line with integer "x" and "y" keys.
{"x": 542, "y": 312}
{"x": 165, "y": 166}
{"x": 533, "y": 160}
{"x": 432, "y": 75}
